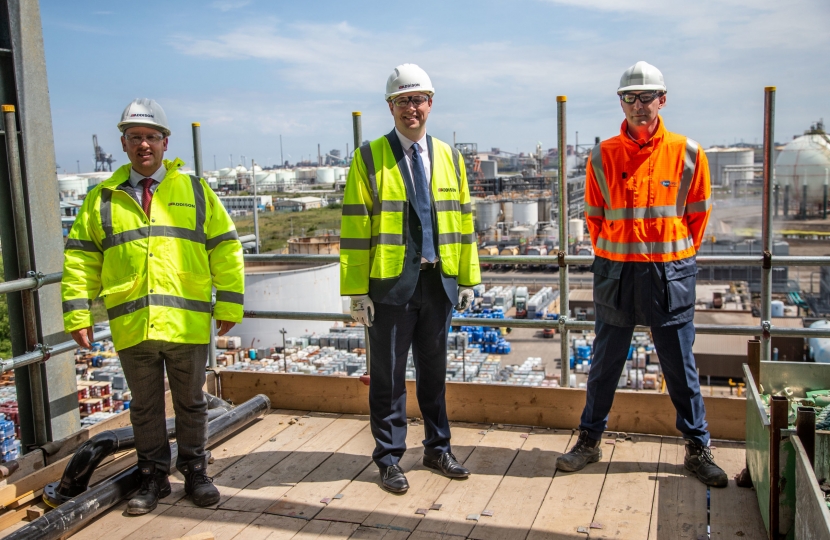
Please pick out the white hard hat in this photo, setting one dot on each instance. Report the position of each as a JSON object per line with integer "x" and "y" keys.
{"x": 641, "y": 76}
{"x": 408, "y": 78}
{"x": 144, "y": 112}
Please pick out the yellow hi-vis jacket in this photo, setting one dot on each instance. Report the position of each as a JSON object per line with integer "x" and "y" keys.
{"x": 155, "y": 275}
{"x": 373, "y": 231}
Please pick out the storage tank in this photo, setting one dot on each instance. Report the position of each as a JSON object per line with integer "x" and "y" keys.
{"x": 75, "y": 186}
{"x": 526, "y": 212}
{"x": 284, "y": 287}
{"x": 805, "y": 161}
{"x": 544, "y": 208}
{"x": 266, "y": 179}
{"x": 507, "y": 211}
{"x": 487, "y": 214}
{"x": 576, "y": 230}
{"x": 721, "y": 160}
{"x": 340, "y": 173}
{"x": 521, "y": 232}
{"x": 325, "y": 176}
{"x": 306, "y": 173}
{"x": 285, "y": 177}
{"x": 820, "y": 347}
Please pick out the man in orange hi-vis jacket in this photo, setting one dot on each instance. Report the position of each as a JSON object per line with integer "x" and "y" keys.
{"x": 647, "y": 201}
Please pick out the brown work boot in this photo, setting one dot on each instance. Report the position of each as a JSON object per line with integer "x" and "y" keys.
{"x": 585, "y": 451}
{"x": 154, "y": 486}
{"x": 197, "y": 484}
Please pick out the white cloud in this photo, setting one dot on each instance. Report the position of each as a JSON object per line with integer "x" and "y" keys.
{"x": 230, "y": 5}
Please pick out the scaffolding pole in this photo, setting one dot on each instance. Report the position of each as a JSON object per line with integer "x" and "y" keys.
{"x": 564, "y": 307}
{"x": 766, "y": 233}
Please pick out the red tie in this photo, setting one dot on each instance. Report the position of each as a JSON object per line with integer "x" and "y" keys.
{"x": 147, "y": 195}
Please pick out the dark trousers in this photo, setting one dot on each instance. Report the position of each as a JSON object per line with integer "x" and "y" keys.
{"x": 144, "y": 366}
{"x": 674, "y": 349}
{"x": 423, "y": 322}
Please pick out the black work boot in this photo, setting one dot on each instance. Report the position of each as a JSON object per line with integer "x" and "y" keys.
{"x": 700, "y": 462}
{"x": 154, "y": 486}
{"x": 197, "y": 484}
{"x": 585, "y": 451}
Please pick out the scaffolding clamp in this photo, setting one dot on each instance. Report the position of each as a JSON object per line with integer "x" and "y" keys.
{"x": 767, "y": 264}
{"x": 39, "y": 277}
{"x": 766, "y": 326}
{"x": 45, "y": 350}
{"x": 561, "y": 258}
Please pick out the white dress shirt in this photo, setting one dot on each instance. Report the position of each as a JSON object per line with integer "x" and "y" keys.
{"x": 138, "y": 187}
{"x": 407, "y": 150}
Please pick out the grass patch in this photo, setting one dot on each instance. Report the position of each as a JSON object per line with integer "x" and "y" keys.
{"x": 275, "y": 228}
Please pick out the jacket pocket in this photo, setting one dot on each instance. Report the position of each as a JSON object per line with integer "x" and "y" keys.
{"x": 607, "y": 282}
{"x": 681, "y": 278}
{"x": 196, "y": 286}
{"x": 122, "y": 285}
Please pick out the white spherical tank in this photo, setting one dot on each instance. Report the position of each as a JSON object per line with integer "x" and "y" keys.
{"x": 526, "y": 212}
{"x": 804, "y": 161}
{"x": 487, "y": 214}
{"x": 820, "y": 347}
{"x": 728, "y": 165}
{"x": 325, "y": 176}
{"x": 286, "y": 288}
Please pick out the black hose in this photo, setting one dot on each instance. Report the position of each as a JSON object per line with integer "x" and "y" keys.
{"x": 76, "y": 512}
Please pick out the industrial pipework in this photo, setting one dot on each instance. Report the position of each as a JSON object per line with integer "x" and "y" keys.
{"x": 79, "y": 470}
{"x": 78, "y": 511}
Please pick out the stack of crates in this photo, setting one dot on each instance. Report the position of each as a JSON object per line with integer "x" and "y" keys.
{"x": 9, "y": 444}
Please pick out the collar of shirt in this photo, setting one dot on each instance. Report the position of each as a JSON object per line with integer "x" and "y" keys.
{"x": 136, "y": 177}
{"x": 407, "y": 150}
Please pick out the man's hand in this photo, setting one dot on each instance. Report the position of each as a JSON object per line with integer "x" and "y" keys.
{"x": 362, "y": 309}
{"x": 83, "y": 337}
{"x": 223, "y": 327}
{"x": 465, "y": 298}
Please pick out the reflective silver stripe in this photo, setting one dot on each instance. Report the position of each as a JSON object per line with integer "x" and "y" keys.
{"x": 447, "y": 206}
{"x": 689, "y": 160}
{"x": 641, "y": 212}
{"x": 392, "y": 206}
{"x": 644, "y": 248}
{"x": 468, "y": 238}
{"x": 599, "y": 173}
{"x": 153, "y": 230}
{"x": 81, "y": 245}
{"x": 158, "y": 300}
{"x": 369, "y": 161}
{"x": 456, "y": 158}
{"x": 388, "y": 239}
{"x": 199, "y": 201}
{"x": 216, "y": 240}
{"x": 449, "y": 238}
{"x": 230, "y": 297}
{"x": 355, "y": 210}
{"x": 106, "y": 212}
{"x": 700, "y": 206}
{"x": 467, "y": 208}
{"x": 76, "y": 305}
{"x": 355, "y": 243}
{"x": 594, "y": 211}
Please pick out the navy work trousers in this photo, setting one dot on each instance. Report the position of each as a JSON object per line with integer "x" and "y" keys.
{"x": 674, "y": 349}
{"x": 423, "y": 322}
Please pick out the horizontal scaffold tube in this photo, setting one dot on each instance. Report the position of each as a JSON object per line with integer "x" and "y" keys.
{"x": 76, "y": 512}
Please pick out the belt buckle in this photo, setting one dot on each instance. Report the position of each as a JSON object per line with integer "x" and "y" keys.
{"x": 428, "y": 265}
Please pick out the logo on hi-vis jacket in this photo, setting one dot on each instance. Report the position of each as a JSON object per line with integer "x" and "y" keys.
{"x": 188, "y": 205}
{"x": 447, "y": 190}
{"x": 669, "y": 183}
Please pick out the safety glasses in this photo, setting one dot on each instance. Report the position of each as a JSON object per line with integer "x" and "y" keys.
{"x": 645, "y": 97}
{"x": 404, "y": 101}
{"x": 136, "y": 140}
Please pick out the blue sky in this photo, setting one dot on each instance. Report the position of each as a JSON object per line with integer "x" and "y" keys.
{"x": 250, "y": 70}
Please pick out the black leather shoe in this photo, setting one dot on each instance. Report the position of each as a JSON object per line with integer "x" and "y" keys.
{"x": 447, "y": 465}
{"x": 197, "y": 484}
{"x": 392, "y": 479}
{"x": 154, "y": 486}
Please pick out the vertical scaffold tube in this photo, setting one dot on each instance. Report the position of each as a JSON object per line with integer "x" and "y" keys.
{"x": 564, "y": 307}
{"x": 766, "y": 233}
{"x": 357, "y": 128}
{"x": 197, "y": 165}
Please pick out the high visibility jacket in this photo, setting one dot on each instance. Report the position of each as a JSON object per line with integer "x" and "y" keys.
{"x": 374, "y": 230}
{"x": 155, "y": 275}
{"x": 648, "y": 204}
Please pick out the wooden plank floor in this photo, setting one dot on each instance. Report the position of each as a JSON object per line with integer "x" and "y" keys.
{"x": 314, "y": 478}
